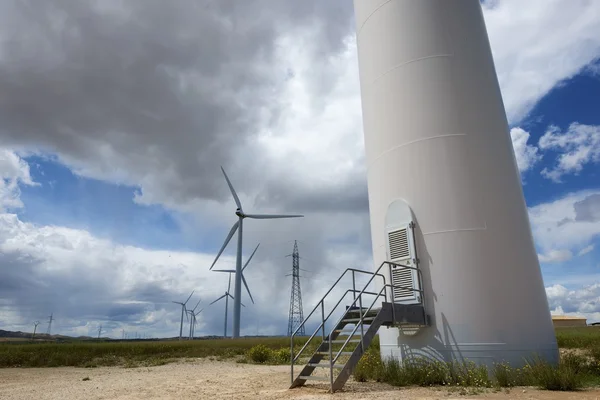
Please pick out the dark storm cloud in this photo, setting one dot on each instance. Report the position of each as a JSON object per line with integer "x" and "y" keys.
{"x": 154, "y": 93}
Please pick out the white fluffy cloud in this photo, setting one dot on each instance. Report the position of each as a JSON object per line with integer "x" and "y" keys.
{"x": 556, "y": 256}
{"x": 566, "y": 226}
{"x": 527, "y": 155}
{"x": 578, "y": 146}
{"x": 13, "y": 170}
{"x": 586, "y": 250}
{"x": 583, "y": 302}
{"x": 539, "y": 43}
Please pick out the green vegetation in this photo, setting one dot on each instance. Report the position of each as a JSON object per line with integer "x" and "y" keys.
{"x": 578, "y": 338}
{"x": 136, "y": 353}
{"x": 579, "y": 366}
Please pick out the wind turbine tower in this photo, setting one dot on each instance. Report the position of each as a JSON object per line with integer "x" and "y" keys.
{"x": 238, "y": 265}
{"x": 99, "y": 331}
{"x": 227, "y": 295}
{"x": 50, "y": 319}
{"x": 296, "y": 313}
{"x": 182, "y": 312}
{"x": 445, "y": 195}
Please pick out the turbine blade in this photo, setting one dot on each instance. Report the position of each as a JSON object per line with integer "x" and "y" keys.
{"x": 271, "y": 216}
{"x": 217, "y": 299}
{"x": 197, "y": 304}
{"x": 188, "y": 299}
{"x": 234, "y": 299}
{"x": 235, "y": 196}
{"x": 250, "y": 258}
{"x": 231, "y": 271}
{"x": 247, "y": 289}
{"x": 198, "y": 313}
{"x": 229, "y": 236}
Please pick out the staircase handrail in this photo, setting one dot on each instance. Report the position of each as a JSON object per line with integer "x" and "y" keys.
{"x": 329, "y": 291}
{"x": 321, "y": 303}
{"x": 377, "y": 296}
{"x": 361, "y": 318}
{"x": 326, "y": 318}
{"x": 383, "y": 292}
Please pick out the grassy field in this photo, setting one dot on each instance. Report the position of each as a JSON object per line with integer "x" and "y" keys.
{"x": 130, "y": 353}
{"x": 579, "y": 367}
{"x": 578, "y": 338}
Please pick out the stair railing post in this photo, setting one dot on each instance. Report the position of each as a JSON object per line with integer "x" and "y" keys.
{"x": 331, "y": 363}
{"x": 353, "y": 285}
{"x": 391, "y": 295}
{"x": 360, "y": 321}
{"x": 323, "y": 319}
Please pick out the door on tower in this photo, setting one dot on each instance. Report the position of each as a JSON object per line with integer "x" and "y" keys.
{"x": 401, "y": 249}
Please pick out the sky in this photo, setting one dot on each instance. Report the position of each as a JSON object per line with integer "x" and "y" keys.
{"x": 116, "y": 116}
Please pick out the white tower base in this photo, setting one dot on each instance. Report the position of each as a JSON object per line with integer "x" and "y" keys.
{"x": 437, "y": 138}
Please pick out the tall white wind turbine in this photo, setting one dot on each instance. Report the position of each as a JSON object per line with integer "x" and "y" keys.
{"x": 238, "y": 265}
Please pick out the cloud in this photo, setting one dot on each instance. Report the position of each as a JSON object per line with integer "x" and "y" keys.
{"x": 13, "y": 170}
{"x": 527, "y": 155}
{"x": 86, "y": 281}
{"x": 579, "y": 145}
{"x": 568, "y": 224}
{"x": 159, "y": 95}
{"x": 588, "y": 209}
{"x": 586, "y": 250}
{"x": 580, "y": 302}
{"x": 555, "y": 256}
{"x": 538, "y": 44}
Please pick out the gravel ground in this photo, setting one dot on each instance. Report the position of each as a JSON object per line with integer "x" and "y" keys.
{"x": 204, "y": 379}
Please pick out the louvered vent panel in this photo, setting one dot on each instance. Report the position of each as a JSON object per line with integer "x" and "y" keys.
{"x": 399, "y": 244}
{"x": 402, "y": 277}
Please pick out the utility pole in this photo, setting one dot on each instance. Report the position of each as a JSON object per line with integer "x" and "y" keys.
{"x": 35, "y": 324}
{"x": 50, "y": 319}
{"x": 296, "y": 316}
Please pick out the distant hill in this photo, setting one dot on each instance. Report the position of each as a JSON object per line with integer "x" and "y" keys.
{"x": 8, "y": 335}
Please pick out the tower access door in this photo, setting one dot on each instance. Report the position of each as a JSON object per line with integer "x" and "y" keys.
{"x": 401, "y": 249}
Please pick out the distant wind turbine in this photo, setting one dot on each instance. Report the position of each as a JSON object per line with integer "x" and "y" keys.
{"x": 238, "y": 265}
{"x": 194, "y": 321}
{"x": 182, "y": 312}
{"x": 192, "y": 314}
{"x": 227, "y": 295}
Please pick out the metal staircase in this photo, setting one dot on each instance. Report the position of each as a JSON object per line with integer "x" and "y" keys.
{"x": 339, "y": 351}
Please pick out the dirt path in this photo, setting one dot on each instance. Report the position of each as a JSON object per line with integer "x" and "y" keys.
{"x": 203, "y": 379}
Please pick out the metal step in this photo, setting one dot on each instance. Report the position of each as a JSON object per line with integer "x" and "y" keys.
{"x": 314, "y": 378}
{"x": 343, "y": 341}
{"x": 365, "y": 320}
{"x": 343, "y": 332}
{"x": 326, "y": 353}
{"x": 340, "y": 366}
